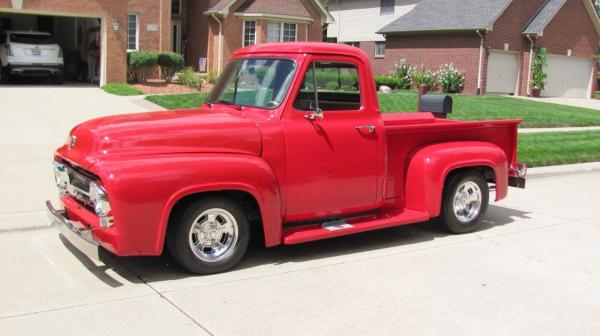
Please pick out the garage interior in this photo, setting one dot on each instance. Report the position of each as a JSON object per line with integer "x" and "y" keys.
{"x": 79, "y": 38}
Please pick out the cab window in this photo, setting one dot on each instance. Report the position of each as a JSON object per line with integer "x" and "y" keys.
{"x": 337, "y": 87}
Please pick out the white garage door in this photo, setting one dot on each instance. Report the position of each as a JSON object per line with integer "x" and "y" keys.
{"x": 568, "y": 77}
{"x": 503, "y": 71}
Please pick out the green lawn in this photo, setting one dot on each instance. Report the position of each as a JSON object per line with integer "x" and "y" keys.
{"x": 121, "y": 89}
{"x": 178, "y": 101}
{"x": 536, "y": 114}
{"x": 548, "y": 149}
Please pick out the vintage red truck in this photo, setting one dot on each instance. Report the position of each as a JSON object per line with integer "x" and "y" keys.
{"x": 291, "y": 143}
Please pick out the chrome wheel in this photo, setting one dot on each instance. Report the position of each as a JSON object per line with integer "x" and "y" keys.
{"x": 467, "y": 201}
{"x": 213, "y": 235}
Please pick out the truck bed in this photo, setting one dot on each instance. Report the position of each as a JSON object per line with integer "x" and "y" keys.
{"x": 407, "y": 132}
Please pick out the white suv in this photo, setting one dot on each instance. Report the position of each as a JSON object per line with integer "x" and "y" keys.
{"x": 32, "y": 54}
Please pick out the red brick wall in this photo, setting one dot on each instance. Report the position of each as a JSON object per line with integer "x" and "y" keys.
{"x": 232, "y": 33}
{"x": 431, "y": 52}
{"x": 107, "y": 10}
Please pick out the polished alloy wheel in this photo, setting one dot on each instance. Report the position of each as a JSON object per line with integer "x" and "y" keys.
{"x": 213, "y": 235}
{"x": 467, "y": 201}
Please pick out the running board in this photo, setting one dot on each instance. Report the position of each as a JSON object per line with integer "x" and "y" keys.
{"x": 337, "y": 228}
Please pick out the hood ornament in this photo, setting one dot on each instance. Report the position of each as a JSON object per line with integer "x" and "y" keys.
{"x": 71, "y": 142}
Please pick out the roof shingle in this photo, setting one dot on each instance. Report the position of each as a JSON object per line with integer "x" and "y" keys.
{"x": 448, "y": 15}
{"x": 543, "y": 17}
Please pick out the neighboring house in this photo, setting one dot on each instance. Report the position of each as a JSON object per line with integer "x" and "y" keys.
{"x": 491, "y": 40}
{"x": 358, "y": 21}
{"x": 101, "y": 32}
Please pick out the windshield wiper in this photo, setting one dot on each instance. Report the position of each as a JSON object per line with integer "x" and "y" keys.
{"x": 226, "y": 102}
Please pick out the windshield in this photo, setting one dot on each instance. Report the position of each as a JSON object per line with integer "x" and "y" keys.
{"x": 254, "y": 82}
{"x": 32, "y": 39}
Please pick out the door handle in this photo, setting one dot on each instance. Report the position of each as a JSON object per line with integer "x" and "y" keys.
{"x": 368, "y": 128}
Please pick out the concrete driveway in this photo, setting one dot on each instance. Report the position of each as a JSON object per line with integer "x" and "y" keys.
{"x": 533, "y": 269}
{"x": 34, "y": 121}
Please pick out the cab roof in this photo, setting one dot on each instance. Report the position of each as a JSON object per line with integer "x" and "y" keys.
{"x": 303, "y": 48}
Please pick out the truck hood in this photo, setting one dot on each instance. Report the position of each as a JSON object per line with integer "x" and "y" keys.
{"x": 169, "y": 132}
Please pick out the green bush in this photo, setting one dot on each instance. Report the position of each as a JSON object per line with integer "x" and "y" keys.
{"x": 422, "y": 76}
{"x": 450, "y": 79}
{"x": 169, "y": 64}
{"x": 190, "y": 78}
{"x": 141, "y": 63}
{"x": 597, "y": 95}
{"x": 212, "y": 76}
{"x": 540, "y": 61}
{"x": 389, "y": 81}
{"x": 402, "y": 72}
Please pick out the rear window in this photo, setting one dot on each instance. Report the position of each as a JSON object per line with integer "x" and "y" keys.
{"x": 32, "y": 39}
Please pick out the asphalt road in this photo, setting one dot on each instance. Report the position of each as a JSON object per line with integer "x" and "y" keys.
{"x": 533, "y": 269}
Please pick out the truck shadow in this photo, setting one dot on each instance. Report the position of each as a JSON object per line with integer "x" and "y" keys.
{"x": 164, "y": 268}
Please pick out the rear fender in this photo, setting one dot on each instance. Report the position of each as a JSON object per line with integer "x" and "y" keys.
{"x": 430, "y": 166}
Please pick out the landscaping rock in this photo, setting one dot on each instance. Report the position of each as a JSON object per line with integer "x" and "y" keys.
{"x": 385, "y": 89}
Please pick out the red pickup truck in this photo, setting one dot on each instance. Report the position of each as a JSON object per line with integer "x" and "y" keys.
{"x": 290, "y": 143}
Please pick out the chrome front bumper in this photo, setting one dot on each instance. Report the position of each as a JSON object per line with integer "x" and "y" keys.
{"x": 75, "y": 232}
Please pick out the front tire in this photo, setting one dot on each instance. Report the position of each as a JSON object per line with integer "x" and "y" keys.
{"x": 466, "y": 197}
{"x": 210, "y": 236}
{"x": 57, "y": 79}
{"x": 4, "y": 75}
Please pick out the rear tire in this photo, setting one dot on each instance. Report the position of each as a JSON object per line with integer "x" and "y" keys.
{"x": 466, "y": 198}
{"x": 210, "y": 236}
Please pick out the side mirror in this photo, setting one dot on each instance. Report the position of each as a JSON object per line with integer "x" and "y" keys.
{"x": 315, "y": 114}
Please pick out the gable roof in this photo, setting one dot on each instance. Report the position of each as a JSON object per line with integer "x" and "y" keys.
{"x": 278, "y": 7}
{"x": 222, "y": 7}
{"x": 448, "y": 15}
{"x": 543, "y": 17}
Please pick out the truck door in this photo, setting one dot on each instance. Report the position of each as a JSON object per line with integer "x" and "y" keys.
{"x": 332, "y": 161}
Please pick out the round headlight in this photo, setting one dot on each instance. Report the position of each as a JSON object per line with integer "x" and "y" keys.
{"x": 99, "y": 199}
{"x": 61, "y": 177}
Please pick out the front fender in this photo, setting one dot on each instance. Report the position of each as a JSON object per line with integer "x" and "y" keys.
{"x": 429, "y": 167}
{"x": 145, "y": 189}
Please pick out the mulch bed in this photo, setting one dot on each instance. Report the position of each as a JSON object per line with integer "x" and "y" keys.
{"x": 162, "y": 87}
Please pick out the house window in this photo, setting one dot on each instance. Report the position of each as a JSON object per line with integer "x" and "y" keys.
{"x": 386, "y": 7}
{"x": 282, "y": 32}
{"x": 176, "y": 7}
{"x": 380, "y": 49}
{"x": 132, "y": 32}
{"x": 353, "y": 44}
{"x": 249, "y": 33}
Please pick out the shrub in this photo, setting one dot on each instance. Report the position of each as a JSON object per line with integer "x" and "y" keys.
{"x": 141, "y": 62}
{"x": 422, "y": 76}
{"x": 190, "y": 78}
{"x": 389, "y": 81}
{"x": 450, "y": 79}
{"x": 169, "y": 64}
{"x": 212, "y": 76}
{"x": 540, "y": 61}
{"x": 597, "y": 95}
{"x": 402, "y": 74}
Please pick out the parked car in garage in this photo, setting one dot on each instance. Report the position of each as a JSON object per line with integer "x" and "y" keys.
{"x": 30, "y": 54}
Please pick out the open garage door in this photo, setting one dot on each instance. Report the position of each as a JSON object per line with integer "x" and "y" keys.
{"x": 568, "y": 77}
{"x": 503, "y": 72}
{"x": 80, "y": 44}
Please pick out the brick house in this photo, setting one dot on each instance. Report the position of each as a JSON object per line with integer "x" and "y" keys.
{"x": 492, "y": 41}
{"x": 101, "y": 32}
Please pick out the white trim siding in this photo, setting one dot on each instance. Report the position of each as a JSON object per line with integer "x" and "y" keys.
{"x": 359, "y": 20}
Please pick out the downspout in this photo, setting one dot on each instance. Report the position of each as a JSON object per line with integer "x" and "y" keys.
{"x": 529, "y": 70}
{"x": 480, "y": 63}
{"x": 220, "y": 48}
